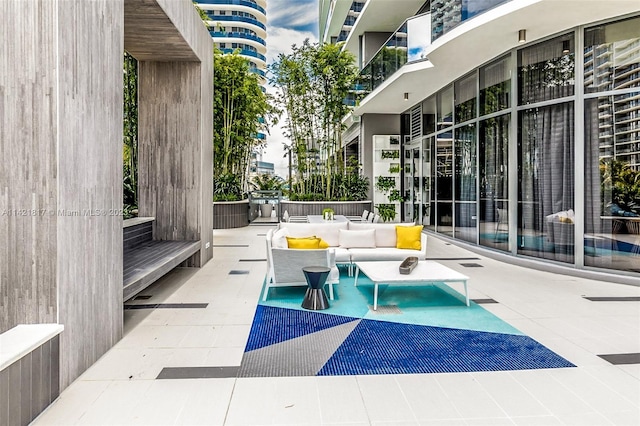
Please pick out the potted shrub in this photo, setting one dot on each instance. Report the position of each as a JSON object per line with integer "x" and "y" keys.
{"x": 327, "y": 214}
{"x": 267, "y": 182}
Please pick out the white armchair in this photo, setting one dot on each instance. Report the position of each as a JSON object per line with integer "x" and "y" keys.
{"x": 284, "y": 266}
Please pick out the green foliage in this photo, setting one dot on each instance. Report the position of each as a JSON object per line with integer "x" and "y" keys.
{"x": 312, "y": 196}
{"x": 130, "y": 136}
{"x": 394, "y": 168}
{"x": 393, "y": 154}
{"x": 385, "y": 183}
{"x": 346, "y": 188}
{"x": 241, "y": 110}
{"x": 387, "y": 212}
{"x": 267, "y": 182}
{"x": 312, "y": 82}
{"x": 352, "y": 187}
{"x": 620, "y": 184}
{"x": 202, "y": 13}
{"x": 396, "y": 195}
{"x": 226, "y": 187}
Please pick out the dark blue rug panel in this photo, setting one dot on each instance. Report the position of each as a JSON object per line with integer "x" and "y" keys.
{"x": 274, "y": 325}
{"x": 381, "y": 347}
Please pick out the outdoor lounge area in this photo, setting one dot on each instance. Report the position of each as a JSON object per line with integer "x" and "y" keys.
{"x": 193, "y": 351}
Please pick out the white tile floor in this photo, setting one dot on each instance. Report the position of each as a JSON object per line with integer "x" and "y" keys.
{"x": 120, "y": 389}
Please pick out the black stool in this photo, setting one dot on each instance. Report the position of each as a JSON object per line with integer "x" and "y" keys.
{"x": 315, "y": 298}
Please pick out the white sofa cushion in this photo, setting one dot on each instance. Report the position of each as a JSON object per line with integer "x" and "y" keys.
{"x": 360, "y": 238}
{"x": 326, "y": 231}
{"x": 279, "y": 239}
{"x": 342, "y": 255}
{"x": 385, "y": 232}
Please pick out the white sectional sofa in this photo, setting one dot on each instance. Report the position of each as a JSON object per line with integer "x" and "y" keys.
{"x": 349, "y": 242}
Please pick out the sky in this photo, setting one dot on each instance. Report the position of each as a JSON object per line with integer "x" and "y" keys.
{"x": 289, "y": 22}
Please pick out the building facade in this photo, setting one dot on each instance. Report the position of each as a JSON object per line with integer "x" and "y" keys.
{"x": 518, "y": 121}
{"x": 239, "y": 24}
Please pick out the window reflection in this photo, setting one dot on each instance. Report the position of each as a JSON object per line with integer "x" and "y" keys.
{"x": 465, "y": 98}
{"x": 418, "y": 37}
{"x": 444, "y": 182}
{"x": 465, "y": 181}
{"x": 611, "y": 59}
{"x": 445, "y": 108}
{"x": 546, "y": 71}
{"x": 612, "y": 182}
{"x": 495, "y": 86}
{"x": 494, "y": 188}
{"x": 546, "y": 179}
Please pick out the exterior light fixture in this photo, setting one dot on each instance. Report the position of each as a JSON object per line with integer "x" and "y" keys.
{"x": 406, "y": 96}
{"x": 566, "y": 47}
{"x": 522, "y": 36}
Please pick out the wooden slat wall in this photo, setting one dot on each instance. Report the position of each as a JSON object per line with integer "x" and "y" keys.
{"x": 173, "y": 171}
{"x": 61, "y": 149}
{"x": 230, "y": 214}
{"x": 90, "y": 44}
{"x": 28, "y": 178}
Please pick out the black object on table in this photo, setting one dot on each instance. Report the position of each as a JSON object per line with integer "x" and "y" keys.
{"x": 408, "y": 265}
{"x": 315, "y": 298}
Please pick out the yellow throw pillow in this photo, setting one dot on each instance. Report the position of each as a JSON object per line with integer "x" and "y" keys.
{"x": 408, "y": 237}
{"x": 303, "y": 243}
{"x": 323, "y": 244}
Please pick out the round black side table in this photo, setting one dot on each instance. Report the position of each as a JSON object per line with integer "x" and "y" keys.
{"x": 315, "y": 298}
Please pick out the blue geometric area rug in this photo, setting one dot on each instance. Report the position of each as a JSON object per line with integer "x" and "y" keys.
{"x": 292, "y": 342}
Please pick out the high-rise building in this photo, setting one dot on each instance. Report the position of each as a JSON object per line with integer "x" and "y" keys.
{"x": 513, "y": 126}
{"x": 239, "y": 24}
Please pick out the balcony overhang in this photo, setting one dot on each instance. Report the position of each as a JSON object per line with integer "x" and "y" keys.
{"x": 338, "y": 16}
{"x": 163, "y": 30}
{"x": 380, "y": 16}
{"x": 482, "y": 39}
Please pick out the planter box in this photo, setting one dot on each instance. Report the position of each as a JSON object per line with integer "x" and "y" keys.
{"x": 230, "y": 214}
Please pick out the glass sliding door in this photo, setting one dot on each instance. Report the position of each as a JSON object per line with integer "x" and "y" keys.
{"x": 412, "y": 182}
{"x": 426, "y": 187}
{"x": 444, "y": 183}
{"x": 465, "y": 183}
{"x": 429, "y": 184}
{"x": 546, "y": 182}
{"x": 546, "y": 147}
{"x": 494, "y": 182}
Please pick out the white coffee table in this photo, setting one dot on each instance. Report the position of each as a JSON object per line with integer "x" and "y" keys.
{"x": 425, "y": 273}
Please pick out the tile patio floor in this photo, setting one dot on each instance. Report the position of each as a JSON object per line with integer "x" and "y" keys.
{"x": 122, "y": 389}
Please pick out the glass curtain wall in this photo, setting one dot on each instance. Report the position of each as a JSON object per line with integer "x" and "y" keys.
{"x": 495, "y": 97}
{"x": 465, "y": 150}
{"x": 494, "y": 182}
{"x": 417, "y": 162}
{"x": 444, "y": 162}
{"x": 465, "y": 181}
{"x": 546, "y": 150}
{"x": 612, "y": 146}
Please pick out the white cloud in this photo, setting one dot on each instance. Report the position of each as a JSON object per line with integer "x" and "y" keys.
{"x": 280, "y": 40}
{"x": 296, "y": 14}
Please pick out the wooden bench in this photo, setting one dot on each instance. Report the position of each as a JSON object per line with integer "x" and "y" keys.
{"x": 147, "y": 260}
